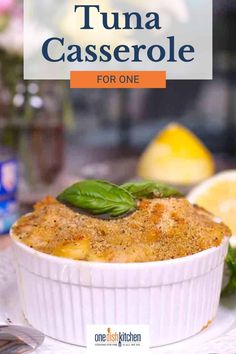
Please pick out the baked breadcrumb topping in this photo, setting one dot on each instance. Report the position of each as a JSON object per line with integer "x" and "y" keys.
{"x": 160, "y": 229}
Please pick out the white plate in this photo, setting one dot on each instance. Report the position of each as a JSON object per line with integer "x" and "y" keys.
{"x": 218, "y": 338}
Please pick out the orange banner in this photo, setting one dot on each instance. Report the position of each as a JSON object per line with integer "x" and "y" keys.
{"x": 118, "y": 79}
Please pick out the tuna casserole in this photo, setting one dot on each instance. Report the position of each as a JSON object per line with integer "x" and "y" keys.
{"x": 160, "y": 229}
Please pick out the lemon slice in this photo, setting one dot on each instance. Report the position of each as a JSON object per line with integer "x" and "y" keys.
{"x": 218, "y": 195}
{"x": 176, "y": 156}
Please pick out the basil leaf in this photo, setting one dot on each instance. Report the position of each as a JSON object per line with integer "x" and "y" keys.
{"x": 98, "y": 198}
{"x": 231, "y": 264}
{"x": 149, "y": 189}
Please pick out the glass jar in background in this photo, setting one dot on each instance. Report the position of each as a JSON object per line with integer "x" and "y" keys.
{"x": 8, "y": 190}
{"x": 40, "y": 140}
{"x": 35, "y": 130}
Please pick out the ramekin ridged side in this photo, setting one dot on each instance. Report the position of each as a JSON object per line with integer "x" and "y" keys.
{"x": 177, "y": 298}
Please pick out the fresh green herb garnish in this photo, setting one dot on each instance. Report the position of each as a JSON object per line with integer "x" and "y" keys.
{"x": 149, "y": 189}
{"x": 99, "y": 198}
{"x": 106, "y": 199}
{"x": 231, "y": 264}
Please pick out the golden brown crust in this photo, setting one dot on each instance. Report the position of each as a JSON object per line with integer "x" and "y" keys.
{"x": 160, "y": 229}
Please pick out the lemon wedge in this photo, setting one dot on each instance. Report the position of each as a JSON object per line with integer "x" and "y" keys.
{"x": 218, "y": 195}
{"x": 176, "y": 156}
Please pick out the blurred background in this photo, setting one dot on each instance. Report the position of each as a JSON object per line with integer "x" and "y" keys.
{"x": 53, "y": 136}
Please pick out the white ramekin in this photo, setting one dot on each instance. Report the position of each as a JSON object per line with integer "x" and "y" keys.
{"x": 176, "y": 298}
